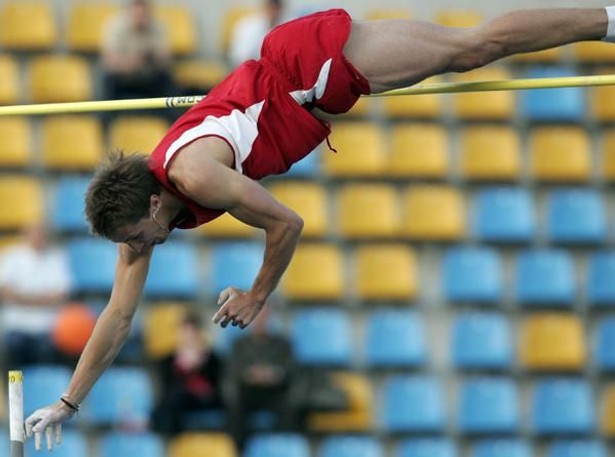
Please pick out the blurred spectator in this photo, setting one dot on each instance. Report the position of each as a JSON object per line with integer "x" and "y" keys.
{"x": 250, "y": 31}
{"x": 190, "y": 378}
{"x": 35, "y": 280}
{"x": 262, "y": 374}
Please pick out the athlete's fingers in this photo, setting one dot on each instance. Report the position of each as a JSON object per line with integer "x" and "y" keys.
{"x": 224, "y": 296}
{"x": 49, "y": 435}
{"x": 37, "y": 440}
{"x": 59, "y": 433}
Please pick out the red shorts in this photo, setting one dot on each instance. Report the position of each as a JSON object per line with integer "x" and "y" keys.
{"x": 308, "y": 52}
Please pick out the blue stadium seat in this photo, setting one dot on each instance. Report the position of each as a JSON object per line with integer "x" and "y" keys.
{"x": 562, "y": 406}
{"x": 502, "y": 448}
{"x": 600, "y": 274}
{"x": 74, "y": 443}
{"x": 121, "y": 395}
{"x": 307, "y": 167}
{"x": 43, "y": 384}
{"x": 351, "y": 446}
{"x": 68, "y": 214}
{"x": 482, "y": 340}
{"x": 174, "y": 272}
{"x": 395, "y": 338}
{"x": 545, "y": 277}
{"x": 277, "y": 445}
{"x": 472, "y": 274}
{"x": 322, "y": 336}
{"x": 504, "y": 215}
{"x": 488, "y": 406}
{"x": 116, "y": 444}
{"x": 604, "y": 350}
{"x": 576, "y": 216}
{"x": 562, "y": 104}
{"x": 234, "y": 264}
{"x": 92, "y": 262}
{"x": 426, "y": 447}
{"x": 412, "y": 404}
{"x": 577, "y": 448}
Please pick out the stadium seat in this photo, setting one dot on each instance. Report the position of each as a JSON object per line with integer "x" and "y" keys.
{"x": 116, "y": 444}
{"x": 16, "y": 148}
{"x": 552, "y": 105}
{"x": 43, "y": 384}
{"x": 395, "y": 339}
{"x": 488, "y": 406}
{"x": 482, "y": 340}
{"x": 136, "y": 134}
{"x": 607, "y": 413}
{"x": 484, "y": 105}
{"x": 309, "y": 200}
{"x": 412, "y": 404}
{"x": 195, "y": 444}
{"x": 552, "y": 342}
{"x": 552, "y": 55}
{"x": 308, "y": 167}
{"x": 277, "y": 445}
{"x": 504, "y": 215}
{"x": 368, "y": 211}
{"x": 600, "y": 290}
{"x": 501, "y": 448}
{"x": 545, "y": 277}
{"x": 376, "y": 14}
{"x": 577, "y": 448}
{"x": 428, "y": 106}
{"x": 160, "y": 328}
{"x": 199, "y": 74}
{"x": 562, "y": 406}
{"x": 386, "y": 272}
{"x": 226, "y": 226}
{"x": 576, "y": 216}
{"x": 27, "y": 26}
{"x": 604, "y": 355}
{"x": 472, "y": 274}
{"x": 608, "y": 156}
{"x": 418, "y": 151}
{"x": 232, "y": 15}
{"x": 234, "y": 263}
{"x": 601, "y": 103}
{"x": 68, "y": 215}
{"x": 86, "y": 25}
{"x": 461, "y": 18}
{"x": 22, "y": 201}
{"x": 92, "y": 262}
{"x": 10, "y": 90}
{"x": 71, "y": 143}
{"x": 179, "y": 23}
{"x": 425, "y": 447}
{"x": 174, "y": 272}
{"x": 351, "y": 446}
{"x": 595, "y": 52}
{"x": 361, "y": 150}
{"x": 122, "y": 396}
{"x": 490, "y": 153}
{"x": 433, "y": 213}
{"x": 560, "y": 154}
{"x": 322, "y": 337}
{"x": 74, "y": 442}
{"x": 60, "y": 78}
{"x": 315, "y": 273}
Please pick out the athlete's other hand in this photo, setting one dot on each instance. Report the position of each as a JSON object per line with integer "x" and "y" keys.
{"x": 48, "y": 420}
{"x": 237, "y": 307}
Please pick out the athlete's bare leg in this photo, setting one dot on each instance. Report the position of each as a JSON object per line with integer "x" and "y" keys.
{"x": 398, "y": 53}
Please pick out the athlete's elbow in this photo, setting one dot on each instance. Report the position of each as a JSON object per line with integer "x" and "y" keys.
{"x": 295, "y": 224}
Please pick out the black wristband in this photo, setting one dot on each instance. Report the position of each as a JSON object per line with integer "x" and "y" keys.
{"x": 70, "y": 404}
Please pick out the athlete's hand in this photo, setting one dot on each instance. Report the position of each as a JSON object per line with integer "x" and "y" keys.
{"x": 236, "y": 307}
{"x": 48, "y": 420}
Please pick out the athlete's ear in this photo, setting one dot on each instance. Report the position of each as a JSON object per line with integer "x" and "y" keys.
{"x": 155, "y": 202}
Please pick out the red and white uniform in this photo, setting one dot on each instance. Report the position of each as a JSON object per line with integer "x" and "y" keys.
{"x": 262, "y": 108}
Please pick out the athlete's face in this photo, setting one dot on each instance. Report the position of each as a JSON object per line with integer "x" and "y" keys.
{"x": 146, "y": 233}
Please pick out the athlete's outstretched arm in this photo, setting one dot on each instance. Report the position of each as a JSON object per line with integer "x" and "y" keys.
{"x": 398, "y": 53}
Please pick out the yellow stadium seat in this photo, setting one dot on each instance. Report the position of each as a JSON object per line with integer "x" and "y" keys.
{"x": 560, "y": 154}
{"x": 361, "y": 150}
{"x": 360, "y": 413}
{"x": 179, "y": 23}
{"x": 593, "y": 52}
{"x": 484, "y": 105}
{"x": 16, "y": 144}
{"x": 22, "y": 202}
{"x": 137, "y": 133}
{"x": 200, "y": 74}
{"x": 315, "y": 273}
{"x": 458, "y": 18}
{"x": 419, "y": 151}
{"x": 552, "y": 342}
{"x": 546, "y": 56}
{"x": 608, "y": 412}
{"x": 361, "y": 108}
{"x": 72, "y": 143}
{"x": 309, "y": 200}
{"x": 226, "y": 226}
{"x": 602, "y": 103}
{"x": 427, "y": 106}
{"x": 490, "y": 153}
{"x": 387, "y": 13}
{"x": 86, "y": 25}
{"x": 195, "y": 444}
{"x": 59, "y": 78}
{"x": 386, "y": 272}
{"x": 27, "y": 26}
{"x": 434, "y": 213}
{"x": 231, "y": 17}
{"x": 160, "y": 328}
{"x": 368, "y": 211}
{"x": 10, "y": 92}
{"x": 608, "y": 156}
